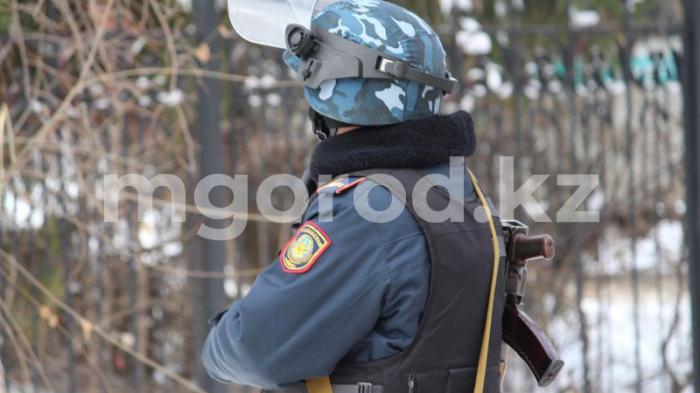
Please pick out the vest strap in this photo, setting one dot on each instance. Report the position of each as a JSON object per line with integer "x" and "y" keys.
{"x": 486, "y": 338}
{"x": 319, "y": 385}
{"x": 323, "y": 385}
{"x": 362, "y": 387}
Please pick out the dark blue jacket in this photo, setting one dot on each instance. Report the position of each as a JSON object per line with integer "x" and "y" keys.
{"x": 362, "y": 299}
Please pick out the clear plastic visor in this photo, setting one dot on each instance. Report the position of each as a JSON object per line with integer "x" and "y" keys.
{"x": 264, "y": 21}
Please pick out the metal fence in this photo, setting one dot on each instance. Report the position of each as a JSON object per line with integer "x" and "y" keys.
{"x": 154, "y": 88}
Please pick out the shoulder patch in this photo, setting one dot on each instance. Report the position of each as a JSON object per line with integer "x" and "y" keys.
{"x": 350, "y": 185}
{"x": 332, "y": 185}
{"x": 303, "y": 250}
{"x": 340, "y": 185}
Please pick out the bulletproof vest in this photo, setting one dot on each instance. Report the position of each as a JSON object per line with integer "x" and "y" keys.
{"x": 444, "y": 355}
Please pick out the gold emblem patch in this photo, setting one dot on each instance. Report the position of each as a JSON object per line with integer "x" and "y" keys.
{"x": 304, "y": 249}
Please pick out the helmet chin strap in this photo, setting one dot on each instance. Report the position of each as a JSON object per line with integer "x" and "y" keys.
{"x": 324, "y": 127}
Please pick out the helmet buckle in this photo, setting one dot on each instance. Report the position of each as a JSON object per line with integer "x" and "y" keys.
{"x": 306, "y": 73}
{"x": 394, "y": 68}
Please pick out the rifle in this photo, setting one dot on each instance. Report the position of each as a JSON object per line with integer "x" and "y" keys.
{"x": 520, "y": 332}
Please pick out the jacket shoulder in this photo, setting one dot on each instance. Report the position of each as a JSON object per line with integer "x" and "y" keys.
{"x": 340, "y": 185}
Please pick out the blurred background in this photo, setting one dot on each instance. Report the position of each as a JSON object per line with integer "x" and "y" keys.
{"x": 96, "y": 87}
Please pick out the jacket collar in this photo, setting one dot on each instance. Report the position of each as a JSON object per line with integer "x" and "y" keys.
{"x": 412, "y": 144}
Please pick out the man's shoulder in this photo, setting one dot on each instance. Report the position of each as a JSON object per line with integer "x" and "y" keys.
{"x": 354, "y": 194}
{"x": 358, "y": 203}
{"x": 340, "y": 185}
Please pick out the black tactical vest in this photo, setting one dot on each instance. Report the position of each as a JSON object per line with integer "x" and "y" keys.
{"x": 443, "y": 357}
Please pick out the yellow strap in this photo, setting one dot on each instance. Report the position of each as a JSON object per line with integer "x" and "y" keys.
{"x": 319, "y": 385}
{"x": 484, "y": 354}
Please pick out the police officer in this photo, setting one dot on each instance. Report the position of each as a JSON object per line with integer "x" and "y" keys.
{"x": 365, "y": 297}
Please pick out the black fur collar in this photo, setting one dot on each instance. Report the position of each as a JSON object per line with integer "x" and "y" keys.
{"x": 413, "y": 144}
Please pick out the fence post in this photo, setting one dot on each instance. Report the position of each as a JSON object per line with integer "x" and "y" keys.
{"x": 210, "y": 291}
{"x": 691, "y": 91}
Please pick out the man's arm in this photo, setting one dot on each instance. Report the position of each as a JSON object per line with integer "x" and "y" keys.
{"x": 295, "y": 325}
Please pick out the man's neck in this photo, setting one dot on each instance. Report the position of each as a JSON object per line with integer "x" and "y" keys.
{"x": 343, "y": 130}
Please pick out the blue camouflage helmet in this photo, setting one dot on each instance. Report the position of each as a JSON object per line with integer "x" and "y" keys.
{"x": 394, "y": 32}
